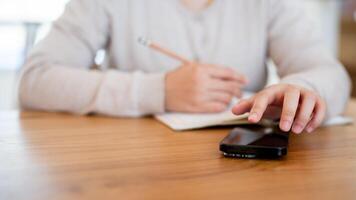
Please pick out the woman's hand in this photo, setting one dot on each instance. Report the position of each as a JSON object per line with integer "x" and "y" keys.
{"x": 301, "y": 109}
{"x": 201, "y": 88}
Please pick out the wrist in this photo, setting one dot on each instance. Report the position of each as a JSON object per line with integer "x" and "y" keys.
{"x": 151, "y": 93}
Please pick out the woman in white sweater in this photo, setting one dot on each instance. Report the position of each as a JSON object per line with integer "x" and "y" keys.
{"x": 229, "y": 40}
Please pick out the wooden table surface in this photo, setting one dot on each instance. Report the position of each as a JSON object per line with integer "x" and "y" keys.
{"x": 60, "y": 156}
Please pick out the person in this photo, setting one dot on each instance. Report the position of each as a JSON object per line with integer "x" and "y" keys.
{"x": 228, "y": 40}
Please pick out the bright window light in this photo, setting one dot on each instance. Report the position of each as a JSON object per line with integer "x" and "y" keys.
{"x": 13, "y": 32}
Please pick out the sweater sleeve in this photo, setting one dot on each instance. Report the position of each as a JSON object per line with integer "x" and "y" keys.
{"x": 301, "y": 57}
{"x": 57, "y": 75}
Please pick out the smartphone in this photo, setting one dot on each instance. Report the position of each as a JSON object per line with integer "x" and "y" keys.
{"x": 255, "y": 142}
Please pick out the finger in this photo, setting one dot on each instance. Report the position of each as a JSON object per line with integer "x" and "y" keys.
{"x": 221, "y": 97}
{"x": 260, "y": 104}
{"x": 238, "y": 93}
{"x": 304, "y": 115}
{"x": 231, "y": 87}
{"x": 228, "y": 74}
{"x": 289, "y": 109}
{"x": 242, "y": 106}
{"x": 318, "y": 116}
{"x": 214, "y": 107}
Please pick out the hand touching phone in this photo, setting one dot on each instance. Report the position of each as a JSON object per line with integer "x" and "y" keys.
{"x": 301, "y": 109}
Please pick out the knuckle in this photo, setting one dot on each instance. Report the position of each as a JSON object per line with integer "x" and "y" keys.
{"x": 237, "y": 85}
{"x": 302, "y": 120}
{"x": 289, "y": 113}
{"x": 224, "y": 73}
{"x": 224, "y": 96}
{"x": 311, "y": 95}
{"x": 262, "y": 95}
{"x": 232, "y": 87}
{"x": 261, "y": 99}
{"x": 228, "y": 98}
{"x": 289, "y": 86}
{"x": 243, "y": 101}
{"x": 292, "y": 89}
{"x": 257, "y": 108}
{"x": 270, "y": 87}
{"x": 229, "y": 71}
{"x": 238, "y": 93}
{"x": 219, "y": 107}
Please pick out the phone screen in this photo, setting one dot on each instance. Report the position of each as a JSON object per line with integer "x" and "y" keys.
{"x": 262, "y": 137}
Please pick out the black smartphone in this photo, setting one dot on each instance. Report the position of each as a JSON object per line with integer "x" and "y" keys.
{"x": 255, "y": 142}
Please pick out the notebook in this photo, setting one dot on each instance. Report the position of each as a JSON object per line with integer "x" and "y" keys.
{"x": 184, "y": 121}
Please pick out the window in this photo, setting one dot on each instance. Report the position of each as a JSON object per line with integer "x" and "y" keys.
{"x": 20, "y": 21}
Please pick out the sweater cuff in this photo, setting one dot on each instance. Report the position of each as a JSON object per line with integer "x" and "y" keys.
{"x": 150, "y": 93}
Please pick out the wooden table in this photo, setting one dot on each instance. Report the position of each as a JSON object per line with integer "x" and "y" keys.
{"x": 60, "y": 156}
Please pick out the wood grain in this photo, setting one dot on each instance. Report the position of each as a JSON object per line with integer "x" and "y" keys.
{"x": 60, "y": 156}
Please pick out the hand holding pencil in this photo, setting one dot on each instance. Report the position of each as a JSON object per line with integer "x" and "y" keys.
{"x": 198, "y": 88}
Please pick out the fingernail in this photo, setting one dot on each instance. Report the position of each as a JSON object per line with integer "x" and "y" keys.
{"x": 297, "y": 129}
{"x": 253, "y": 117}
{"x": 285, "y": 125}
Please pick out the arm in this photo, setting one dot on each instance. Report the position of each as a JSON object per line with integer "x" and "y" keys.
{"x": 314, "y": 85}
{"x": 302, "y": 58}
{"x": 57, "y": 75}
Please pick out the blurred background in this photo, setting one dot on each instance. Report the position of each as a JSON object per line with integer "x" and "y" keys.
{"x": 24, "y": 22}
